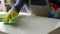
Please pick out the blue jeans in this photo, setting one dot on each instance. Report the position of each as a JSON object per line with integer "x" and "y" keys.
{"x": 52, "y": 15}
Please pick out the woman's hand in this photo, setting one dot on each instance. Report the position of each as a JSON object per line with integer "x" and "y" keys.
{"x": 11, "y": 15}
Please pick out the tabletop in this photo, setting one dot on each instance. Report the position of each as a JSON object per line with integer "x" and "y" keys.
{"x": 31, "y": 25}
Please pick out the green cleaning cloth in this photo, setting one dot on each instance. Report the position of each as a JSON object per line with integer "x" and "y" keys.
{"x": 12, "y": 21}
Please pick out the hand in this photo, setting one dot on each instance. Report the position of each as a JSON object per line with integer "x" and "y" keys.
{"x": 11, "y": 17}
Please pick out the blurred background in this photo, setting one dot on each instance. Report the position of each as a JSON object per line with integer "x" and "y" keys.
{"x": 40, "y": 8}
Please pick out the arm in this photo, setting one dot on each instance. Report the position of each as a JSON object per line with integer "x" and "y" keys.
{"x": 11, "y": 16}
{"x": 18, "y": 5}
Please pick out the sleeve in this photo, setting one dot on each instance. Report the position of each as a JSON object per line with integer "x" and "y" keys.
{"x": 18, "y": 5}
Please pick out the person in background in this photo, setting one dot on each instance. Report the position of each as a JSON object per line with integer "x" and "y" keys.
{"x": 55, "y": 5}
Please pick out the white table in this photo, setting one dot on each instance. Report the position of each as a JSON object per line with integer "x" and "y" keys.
{"x": 31, "y": 25}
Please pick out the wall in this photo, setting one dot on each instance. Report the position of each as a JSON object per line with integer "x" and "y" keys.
{"x": 2, "y": 5}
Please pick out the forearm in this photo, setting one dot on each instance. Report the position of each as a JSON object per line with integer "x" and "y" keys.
{"x": 18, "y": 5}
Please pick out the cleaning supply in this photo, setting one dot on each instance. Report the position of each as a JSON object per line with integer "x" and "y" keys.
{"x": 11, "y": 17}
{"x": 12, "y": 21}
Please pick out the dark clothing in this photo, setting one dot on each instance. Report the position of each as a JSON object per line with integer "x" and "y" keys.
{"x": 19, "y": 4}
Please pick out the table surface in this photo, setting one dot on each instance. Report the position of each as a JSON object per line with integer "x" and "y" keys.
{"x": 31, "y": 25}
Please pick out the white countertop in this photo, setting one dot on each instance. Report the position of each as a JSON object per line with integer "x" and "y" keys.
{"x": 31, "y": 25}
